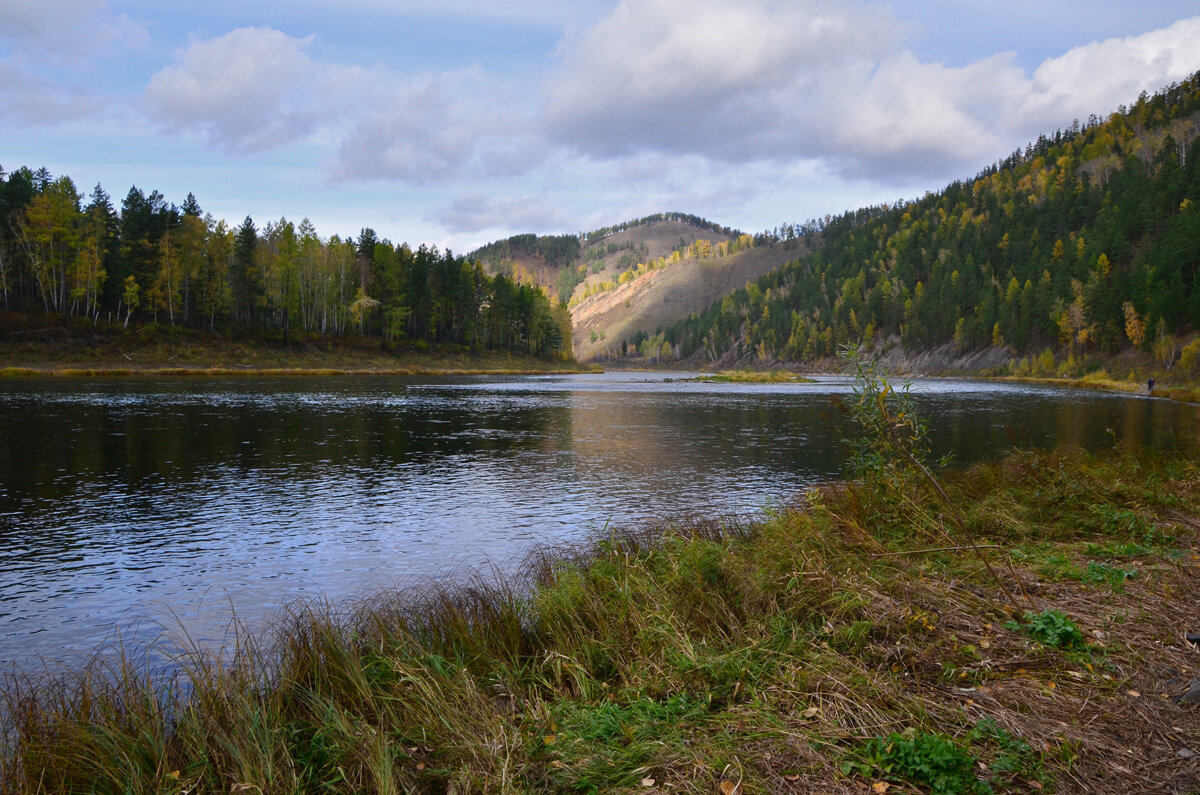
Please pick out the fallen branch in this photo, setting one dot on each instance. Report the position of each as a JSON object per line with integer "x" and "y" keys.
{"x": 38, "y": 330}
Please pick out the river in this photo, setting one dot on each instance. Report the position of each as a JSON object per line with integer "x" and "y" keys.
{"x": 141, "y": 506}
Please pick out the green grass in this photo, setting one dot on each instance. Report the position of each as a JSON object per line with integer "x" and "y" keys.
{"x": 817, "y": 649}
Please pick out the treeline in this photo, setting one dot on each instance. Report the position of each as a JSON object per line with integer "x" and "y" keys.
{"x": 1087, "y": 239}
{"x": 157, "y": 262}
{"x": 687, "y": 218}
{"x": 556, "y": 250}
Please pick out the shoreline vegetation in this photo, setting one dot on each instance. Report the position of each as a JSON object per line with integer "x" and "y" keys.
{"x": 41, "y": 347}
{"x": 515, "y": 367}
{"x": 845, "y": 643}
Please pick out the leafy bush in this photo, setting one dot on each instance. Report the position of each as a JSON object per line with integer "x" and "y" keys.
{"x": 948, "y": 766}
{"x": 932, "y": 760}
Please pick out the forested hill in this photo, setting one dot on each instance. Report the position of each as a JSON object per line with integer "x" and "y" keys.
{"x": 154, "y": 262}
{"x": 561, "y": 263}
{"x": 1089, "y": 239}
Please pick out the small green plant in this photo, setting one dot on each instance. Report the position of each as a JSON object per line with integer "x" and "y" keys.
{"x": 931, "y": 760}
{"x": 891, "y": 456}
{"x": 1052, "y": 628}
{"x": 1113, "y": 576}
{"x": 892, "y": 447}
{"x": 947, "y": 766}
{"x": 1013, "y": 757}
{"x": 1060, "y": 567}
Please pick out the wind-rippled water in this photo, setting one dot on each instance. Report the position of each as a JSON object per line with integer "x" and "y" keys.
{"x": 148, "y": 504}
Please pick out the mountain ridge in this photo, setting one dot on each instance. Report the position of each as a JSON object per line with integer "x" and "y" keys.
{"x": 1088, "y": 239}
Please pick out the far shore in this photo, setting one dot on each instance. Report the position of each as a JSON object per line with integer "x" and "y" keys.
{"x": 228, "y": 359}
{"x": 1095, "y": 373}
{"x": 250, "y": 371}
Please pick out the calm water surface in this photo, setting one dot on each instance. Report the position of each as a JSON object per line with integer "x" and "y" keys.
{"x": 138, "y": 504}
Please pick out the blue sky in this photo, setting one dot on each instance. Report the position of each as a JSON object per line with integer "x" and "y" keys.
{"x": 456, "y": 122}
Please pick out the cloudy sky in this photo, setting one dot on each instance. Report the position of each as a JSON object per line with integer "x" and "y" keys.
{"x": 457, "y": 122}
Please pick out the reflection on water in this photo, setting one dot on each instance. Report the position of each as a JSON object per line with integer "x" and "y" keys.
{"x": 177, "y": 500}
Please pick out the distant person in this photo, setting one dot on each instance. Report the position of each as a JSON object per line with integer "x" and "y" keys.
{"x": 1150, "y": 384}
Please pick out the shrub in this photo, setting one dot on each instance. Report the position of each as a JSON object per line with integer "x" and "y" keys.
{"x": 932, "y": 760}
{"x": 1189, "y": 358}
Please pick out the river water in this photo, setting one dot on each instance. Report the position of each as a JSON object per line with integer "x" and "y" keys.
{"x": 138, "y": 506}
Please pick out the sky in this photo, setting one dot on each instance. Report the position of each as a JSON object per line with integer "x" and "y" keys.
{"x": 458, "y": 122}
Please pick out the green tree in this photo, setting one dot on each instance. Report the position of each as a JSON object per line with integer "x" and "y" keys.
{"x": 50, "y": 235}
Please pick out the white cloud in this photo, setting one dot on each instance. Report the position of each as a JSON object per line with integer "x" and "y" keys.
{"x": 652, "y": 95}
{"x": 33, "y": 99}
{"x": 751, "y": 80}
{"x": 907, "y": 118}
{"x": 708, "y": 76}
{"x": 249, "y": 90}
{"x": 476, "y": 213}
{"x": 47, "y": 49}
{"x": 533, "y": 13}
{"x": 440, "y": 128}
{"x": 66, "y": 29}
{"x": 1097, "y": 77}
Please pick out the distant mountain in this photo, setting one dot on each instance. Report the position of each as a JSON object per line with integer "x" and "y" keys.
{"x": 1086, "y": 240}
{"x": 627, "y": 282}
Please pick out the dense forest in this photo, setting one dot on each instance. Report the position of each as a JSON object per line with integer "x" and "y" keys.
{"x": 1086, "y": 240}
{"x": 153, "y": 261}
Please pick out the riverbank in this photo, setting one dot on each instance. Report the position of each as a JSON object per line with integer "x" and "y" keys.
{"x": 1184, "y": 391}
{"x": 72, "y": 348}
{"x": 829, "y": 646}
{"x": 1175, "y": 368}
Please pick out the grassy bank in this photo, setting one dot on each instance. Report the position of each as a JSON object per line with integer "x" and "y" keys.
{"x": 828, "y": 647}
{"x": 36, "y": 346}
{"x": 1185, "y": 390}
{"x": 1175, "y": 370}
{"x": 754, "y": 377}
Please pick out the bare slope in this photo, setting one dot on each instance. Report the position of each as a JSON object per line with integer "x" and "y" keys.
{"x": 658, "y": 298}
{"x": 624, "y": 250}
